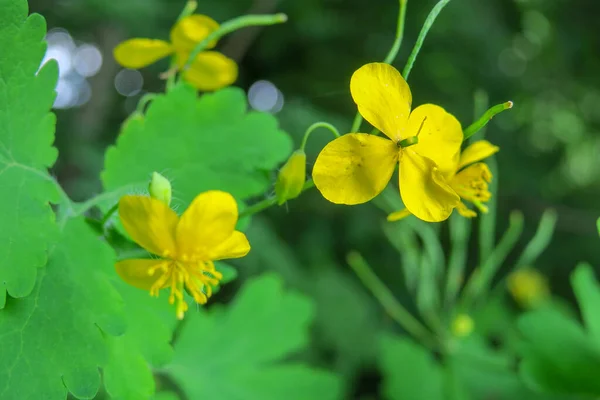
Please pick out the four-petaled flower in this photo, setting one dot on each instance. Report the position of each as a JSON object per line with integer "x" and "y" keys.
{"x": 187, "y": 246}
{"x": 470, "y": 180}
{"x": 209, "y": 71}
{"x": 426, "y": 142}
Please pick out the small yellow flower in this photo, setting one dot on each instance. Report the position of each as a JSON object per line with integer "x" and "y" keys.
{"x": 187, "y": 246}
{"x": 356, "y": 167}
{"x": 469, "y": 180}
{"x": 209, "y": 71}
{"x": 528, "y": 287}
{"x": 462, "y": 325}
{"x": 291, "y": 177}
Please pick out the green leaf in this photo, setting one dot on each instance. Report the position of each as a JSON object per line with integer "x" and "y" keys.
{"x": 587, "y": 291}
{"x": 145, "y": 344}
{"x": 52, "y": 341}
{"x": 204, "y": 143}
{"x": 238, "y": 353}
{"x": 409, "y": 370}
{"x": 26, "y": 136}
{"x": 558, "y": 355}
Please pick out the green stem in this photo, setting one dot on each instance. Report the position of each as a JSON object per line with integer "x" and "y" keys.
{"x": 269, "y": 202}
{"x": 387, "y": 300}
{"x": 356, "y": 123}
{"x": 485, "y": 118}
{"x": 234, "y": 25}
{"x": 481, "y": 277}
{"x": 109, "y": 214}
{"x": 460, "y": 231}
{"x": 317, "y": 125}
{"x": 147, "y": 98}
{"x": 424, "y": 30}
{"x": 540, "y": 240}
{"x": 389, "y": 58}
{"x": 188, "y": 10}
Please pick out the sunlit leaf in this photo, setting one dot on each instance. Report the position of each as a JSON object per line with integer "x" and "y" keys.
{"x": 53, "y": 341}
{"x": 26, "y": 136}
{"x": 211, "y": 142}
{"x": 239, "y": 353}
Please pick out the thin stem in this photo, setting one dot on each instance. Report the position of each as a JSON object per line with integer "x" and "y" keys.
{"x": 188, "y": 10}
{"x": 540, "y": 240}
{"x": 147, "y": 98}
{"x": 356, "y": 123}
{"x": 387, "y": 300}
{"x": 460, "y": 230}
{"x": 317, "y": 125}
{"x": 109, "y": 214}
{"x": 234, "y": 25}
{"x": 481, "y": 277}
{"x": 389, "y": 58}
{"x": 485, "y": 118}
{"x": 424, "y": 30}
{"x": 269, "y": 202}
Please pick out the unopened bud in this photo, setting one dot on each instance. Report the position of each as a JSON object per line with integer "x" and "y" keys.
{"x": 462, "y": 325}
{"x": 160, "y": 188}
{"x": 291, "y": 177}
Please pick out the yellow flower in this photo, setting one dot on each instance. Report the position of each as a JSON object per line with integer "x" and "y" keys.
{"x": 528, "y": 287}
{"x": 210, "y": 70}
{"x": 470, "y": 180}
{"x": 356, "y": 167}
{"x": 187, "y": 246}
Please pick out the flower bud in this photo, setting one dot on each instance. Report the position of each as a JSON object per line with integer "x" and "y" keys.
{"x": 160, "y": 188}
{"x": 462, "y": 325}
{"x": 291, "y": 177}
{"x": 528, "y": 287}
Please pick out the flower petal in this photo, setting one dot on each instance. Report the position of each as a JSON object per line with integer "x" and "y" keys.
{"x": 210, "y": 70}
{"x": 354, "y": 168}
{"x": 191, "y": 30}
{"x": 477, "y": 151}
{"x": 440, "y": 136}
{"x": 465, "y": 211}
{"x": 136, "y": 272}
{"x": 139, "y": 53}
{"x": 424, "y": 190}
{"x": 150, "y": 223}
{"x": 383, "y": 98}
{"x": 235, "y": 247}
{"x": 398, "y": 215}
{"x": 206, "y": 224}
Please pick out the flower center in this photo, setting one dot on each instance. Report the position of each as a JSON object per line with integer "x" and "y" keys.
{"x": 198, "y": 277}
{"x": 472, "y": 184}
{"x": 410, "y": 141}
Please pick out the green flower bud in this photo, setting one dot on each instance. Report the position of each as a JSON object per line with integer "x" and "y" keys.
{"x": 291, "y": 177}
{"x": 160, "y": 188}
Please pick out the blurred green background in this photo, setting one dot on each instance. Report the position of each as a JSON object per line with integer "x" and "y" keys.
{"x": 543, "y": 55}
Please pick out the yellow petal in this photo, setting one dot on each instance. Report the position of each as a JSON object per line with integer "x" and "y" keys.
{"x": 207, "y": 223}
{"x": 398, "y": 215}
{"x": 235, "y": 247}
{"x": 477, "y": 151}
{"x": 137, "y": 272}
{"x": 150, "y": 223}
{"x": 383, "y": 98}
{"x": 354, "y": 168}
{"x": 424, "y": 190}
{"x": 210, "y": 71}
{"x": 190, "y": 31}
{"x": 465, "y": 211}
{"x": 472, "y": 182}
{"x": 440, "y": 136}
{"x": 139, "y": 53}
